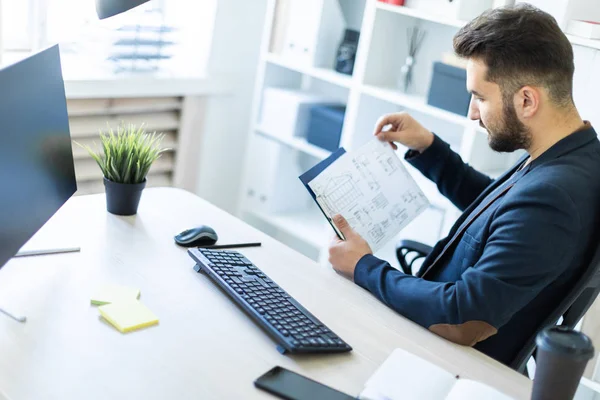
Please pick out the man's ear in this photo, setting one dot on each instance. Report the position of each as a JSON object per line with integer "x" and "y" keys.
{"x": 527, "y": 101}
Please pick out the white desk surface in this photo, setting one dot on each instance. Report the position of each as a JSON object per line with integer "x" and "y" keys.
{"x": 205, "y": 347}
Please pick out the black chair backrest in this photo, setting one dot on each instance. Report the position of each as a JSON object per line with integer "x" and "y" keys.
{"x": 571, "y": 308}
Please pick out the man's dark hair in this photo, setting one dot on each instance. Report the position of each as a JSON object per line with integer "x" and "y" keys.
{"x": 521, "y": 45}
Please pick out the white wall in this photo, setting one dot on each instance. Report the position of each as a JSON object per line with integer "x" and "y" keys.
{"x": 234, "y": 53}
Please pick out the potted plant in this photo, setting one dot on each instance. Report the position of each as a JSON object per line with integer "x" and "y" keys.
{"x": 125, "y": 160}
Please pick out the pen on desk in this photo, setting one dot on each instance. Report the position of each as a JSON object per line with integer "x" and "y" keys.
{"x": 231, "y": 246}
{"x": 38, "y": 252}
{"x": 17, "y": 318}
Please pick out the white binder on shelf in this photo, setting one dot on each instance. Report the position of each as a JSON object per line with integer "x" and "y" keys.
{"x": 281, "y": 20}
{"x": 314, "y": 33}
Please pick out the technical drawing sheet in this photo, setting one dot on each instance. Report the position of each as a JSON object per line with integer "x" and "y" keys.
{"x": 373, "y": 190}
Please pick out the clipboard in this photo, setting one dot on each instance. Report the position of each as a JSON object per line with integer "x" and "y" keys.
{"x": 312, "y": 173}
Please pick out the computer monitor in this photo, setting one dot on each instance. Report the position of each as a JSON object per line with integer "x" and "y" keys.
{"x": 37, "y": 175}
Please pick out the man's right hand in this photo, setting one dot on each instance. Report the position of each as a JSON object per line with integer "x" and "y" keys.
{"x": 404, "y": 130}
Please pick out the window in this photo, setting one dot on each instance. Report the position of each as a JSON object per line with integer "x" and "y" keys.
{"x": 17, "y": 25}
{"x": 164, "y": 37}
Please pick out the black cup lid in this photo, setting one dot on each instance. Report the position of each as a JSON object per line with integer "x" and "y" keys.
{"x": 560, "y": 339}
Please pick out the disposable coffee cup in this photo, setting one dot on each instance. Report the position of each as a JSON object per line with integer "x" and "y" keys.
{"x": 562, "y": 354}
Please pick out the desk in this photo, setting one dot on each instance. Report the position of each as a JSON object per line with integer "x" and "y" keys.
{"x": 205, "y": 347}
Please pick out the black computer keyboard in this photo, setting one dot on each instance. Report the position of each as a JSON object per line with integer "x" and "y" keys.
{"x": 294, "y": 328}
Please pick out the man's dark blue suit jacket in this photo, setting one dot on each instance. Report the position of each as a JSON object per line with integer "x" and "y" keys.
{"x": 514, "y": 253}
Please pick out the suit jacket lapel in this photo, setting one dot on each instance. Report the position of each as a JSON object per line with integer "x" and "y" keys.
{"x": 463, "y": 228}
{"x": 441, "y": 246}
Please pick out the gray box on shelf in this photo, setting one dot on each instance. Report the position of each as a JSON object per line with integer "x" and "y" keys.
{"x": 325, "y": 126}
{"x": 448, "y": 89}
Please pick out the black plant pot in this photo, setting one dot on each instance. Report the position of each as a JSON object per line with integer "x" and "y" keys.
{"x": 123, "y": 198}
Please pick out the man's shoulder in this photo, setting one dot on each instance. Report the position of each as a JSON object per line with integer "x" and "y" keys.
{"x": 573, "y": 178}
{"x": 577, "y": 171}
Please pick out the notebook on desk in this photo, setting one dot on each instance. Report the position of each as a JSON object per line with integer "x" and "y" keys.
{"x": 405, "y": 376}
{"x": 370, "y": 187}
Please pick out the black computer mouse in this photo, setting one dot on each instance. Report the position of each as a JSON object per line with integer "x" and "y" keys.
{"x": 200, "y": 236}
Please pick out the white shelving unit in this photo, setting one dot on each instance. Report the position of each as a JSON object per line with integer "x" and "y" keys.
{"x": 274, "y": 160}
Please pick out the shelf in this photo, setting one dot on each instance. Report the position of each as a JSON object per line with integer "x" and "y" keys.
{"x": 295, "y": 143}
{"x": 421, "y": 15}
{"x": 414, "y": 103}
{"x": 307, "y": 226}
{"x": 324, "y": 74}
{"x": 591, "y": 43}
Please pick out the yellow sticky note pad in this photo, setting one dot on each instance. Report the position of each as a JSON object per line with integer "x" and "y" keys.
{"x": 128, "y": 315}
{"x": 107, "y": 294}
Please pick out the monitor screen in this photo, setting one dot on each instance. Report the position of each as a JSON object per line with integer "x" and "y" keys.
{"x": 37, "y": 175}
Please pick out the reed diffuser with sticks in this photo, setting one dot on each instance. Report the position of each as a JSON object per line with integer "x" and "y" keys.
{"x": 415, "y": 38}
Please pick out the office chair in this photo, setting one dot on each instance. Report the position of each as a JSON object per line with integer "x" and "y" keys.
{"x": 571, "y": 308}
{"x": 409, "y": 251}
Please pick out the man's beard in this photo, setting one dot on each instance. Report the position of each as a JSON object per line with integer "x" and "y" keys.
{"x": 510, "y": 134}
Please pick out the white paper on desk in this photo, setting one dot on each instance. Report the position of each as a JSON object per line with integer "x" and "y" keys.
{"x": 468, "y": 389}
{"x": 405, "y": 376}
{"x": 373, "y": 190}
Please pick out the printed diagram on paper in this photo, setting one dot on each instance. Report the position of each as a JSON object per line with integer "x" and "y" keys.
{"x": 373, "y": 190}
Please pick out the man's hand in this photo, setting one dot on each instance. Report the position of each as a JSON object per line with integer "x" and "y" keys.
{"x": 345, "y": 254}
{"x": 404, "y": 130}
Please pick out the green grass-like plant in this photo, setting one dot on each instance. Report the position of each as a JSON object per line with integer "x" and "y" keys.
{"x": 128, "y": 154}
